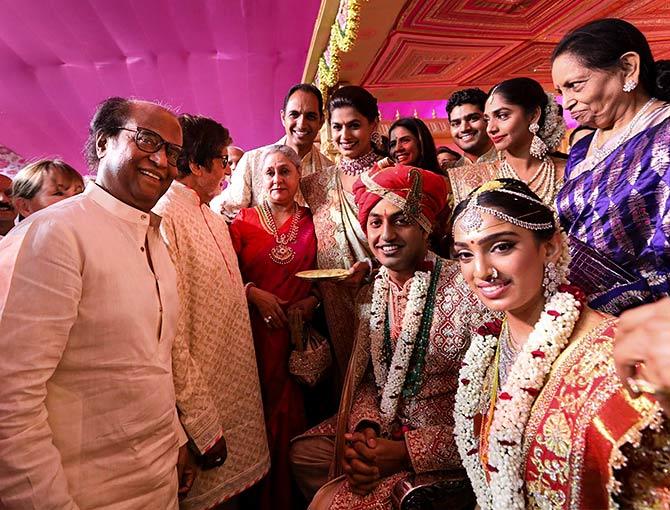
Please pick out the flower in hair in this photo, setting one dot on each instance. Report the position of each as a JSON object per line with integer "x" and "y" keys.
{"x": 553, "y": 130}
{"x": 489, "y": 186}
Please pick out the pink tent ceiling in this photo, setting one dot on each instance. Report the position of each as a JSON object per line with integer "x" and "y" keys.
{"x": 232, "y": 60}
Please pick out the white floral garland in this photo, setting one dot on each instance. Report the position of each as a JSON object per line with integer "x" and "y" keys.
{"x": 526, "y": 379}
{"x": 553, "y": 130}
{"x": 391, "y": 380}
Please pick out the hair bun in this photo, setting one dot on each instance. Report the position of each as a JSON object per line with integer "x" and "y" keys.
{"x": 663, "y": 79}
{"x": 553, "y": 130}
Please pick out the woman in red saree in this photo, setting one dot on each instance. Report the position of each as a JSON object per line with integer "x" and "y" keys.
{"x": 274, "y": 241}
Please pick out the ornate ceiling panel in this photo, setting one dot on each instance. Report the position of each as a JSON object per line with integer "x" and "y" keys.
{"x": 437, "y": 46}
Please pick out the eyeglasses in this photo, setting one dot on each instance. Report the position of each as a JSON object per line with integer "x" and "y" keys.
{"x": 151, "y": 142}
{"x": 224, "y": 159}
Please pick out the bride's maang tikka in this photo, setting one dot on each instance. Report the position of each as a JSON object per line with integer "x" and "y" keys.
{"x": 471, "y": 217}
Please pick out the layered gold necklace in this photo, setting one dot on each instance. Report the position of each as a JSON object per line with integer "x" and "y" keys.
{"x": 281, "y": 253}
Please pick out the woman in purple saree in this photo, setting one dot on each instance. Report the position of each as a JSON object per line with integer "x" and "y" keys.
{"x": 615, "y": 202}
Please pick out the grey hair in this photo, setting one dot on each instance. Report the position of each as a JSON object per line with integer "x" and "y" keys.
{"x": 286, "y": 151}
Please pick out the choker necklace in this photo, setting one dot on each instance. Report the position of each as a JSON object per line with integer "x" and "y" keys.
{"x": 542, "y": 182}
{"x": 358, "y": 165}
{"x": 282, "y": 253}
{"x": 606, "y": 149}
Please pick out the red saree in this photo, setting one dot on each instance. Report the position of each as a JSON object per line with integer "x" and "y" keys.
{"x": 282, "y": 396}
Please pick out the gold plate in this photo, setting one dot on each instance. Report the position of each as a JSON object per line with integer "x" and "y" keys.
{"x": 323, "y": 274}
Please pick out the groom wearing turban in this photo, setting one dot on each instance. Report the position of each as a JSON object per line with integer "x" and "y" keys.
{"x": 394, "y": 427}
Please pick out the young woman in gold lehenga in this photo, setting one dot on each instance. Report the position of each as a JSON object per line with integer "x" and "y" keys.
{"x": 353, "y": 117}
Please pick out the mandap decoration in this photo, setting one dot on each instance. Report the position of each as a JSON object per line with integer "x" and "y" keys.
{"x": 342, "y": 39}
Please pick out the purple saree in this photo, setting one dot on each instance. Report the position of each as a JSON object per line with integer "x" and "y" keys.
{"x": 616, "y": 213}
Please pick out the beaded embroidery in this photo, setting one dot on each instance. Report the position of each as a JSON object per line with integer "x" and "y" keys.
{"x": 358, "y": 165}
{"x": 281, "y": 253}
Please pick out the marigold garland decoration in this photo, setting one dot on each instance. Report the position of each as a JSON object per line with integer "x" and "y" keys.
{"x": 343, "y": 35}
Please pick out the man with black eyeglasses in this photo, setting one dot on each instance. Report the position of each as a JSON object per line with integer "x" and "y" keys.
{"x": 214, "y": 364}
{"x": 88, "y": 315}
{"x": 302, "y": 117}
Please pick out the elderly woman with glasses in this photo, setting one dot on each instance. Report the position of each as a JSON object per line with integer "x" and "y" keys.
{"x": 274, "y": 241}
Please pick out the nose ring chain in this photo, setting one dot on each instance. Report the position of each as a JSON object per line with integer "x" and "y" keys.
{"x": 494, "y": 273}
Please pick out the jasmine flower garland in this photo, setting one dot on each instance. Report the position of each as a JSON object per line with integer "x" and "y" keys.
{"x": 526, "y": 379}
{"x": 391, "y": 378}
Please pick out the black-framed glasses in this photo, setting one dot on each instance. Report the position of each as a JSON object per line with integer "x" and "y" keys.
{"x": 225, "y": 160}
{"x": 151, "y": 142}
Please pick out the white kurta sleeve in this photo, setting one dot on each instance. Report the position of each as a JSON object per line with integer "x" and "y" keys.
{"x": 40, "y": 288}
{"x": 238, "y": 193}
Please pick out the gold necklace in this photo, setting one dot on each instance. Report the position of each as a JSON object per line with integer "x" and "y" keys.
{"x": 542, "y": 182}
{"x": 281, "y": 253}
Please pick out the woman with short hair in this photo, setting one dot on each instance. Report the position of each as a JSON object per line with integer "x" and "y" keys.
{"x": 274, "y": 241}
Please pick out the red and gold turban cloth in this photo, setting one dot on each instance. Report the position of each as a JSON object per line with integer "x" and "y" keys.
{"x": 419, "y": 193}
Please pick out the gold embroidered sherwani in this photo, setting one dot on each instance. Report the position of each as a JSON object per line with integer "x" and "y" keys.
{"x": 214, "y": 363}
{"x": 429, "y": 415}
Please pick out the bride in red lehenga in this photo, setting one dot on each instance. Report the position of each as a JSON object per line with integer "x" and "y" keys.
{"x": 542, "y": 419}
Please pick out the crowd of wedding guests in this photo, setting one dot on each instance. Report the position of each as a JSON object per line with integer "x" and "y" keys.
{"x": 388, "y": 325}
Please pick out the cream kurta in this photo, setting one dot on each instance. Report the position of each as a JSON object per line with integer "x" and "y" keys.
{"x": 87, "y": 405}
{"x": 215, "y": 374}
{"x": 246, "y": 183}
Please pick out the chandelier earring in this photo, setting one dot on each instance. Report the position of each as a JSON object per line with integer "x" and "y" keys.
{"x": 552, "y": 279}
{"x": 376, "y": 139}
{"x": 538, "y": 149}
{"x": 629, "y": 86}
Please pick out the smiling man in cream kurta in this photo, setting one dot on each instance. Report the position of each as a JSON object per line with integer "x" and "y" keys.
{"x": 214, "y": 362}
{"x": 88, "y": 313}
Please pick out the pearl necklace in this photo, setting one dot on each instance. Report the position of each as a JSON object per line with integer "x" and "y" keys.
{"x": 281, "y": 253}
{"x": 600, "y": 153}
{"x": 358, "y": 165}
{"x": 526, "y": 379}
{"x": 542, "y": 182}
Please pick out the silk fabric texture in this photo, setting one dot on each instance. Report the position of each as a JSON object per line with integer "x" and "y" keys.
{"x": 619, "y": 207}
{"x": 282, "y": 395}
